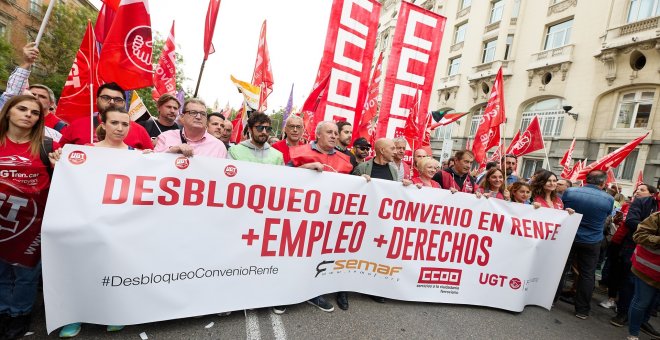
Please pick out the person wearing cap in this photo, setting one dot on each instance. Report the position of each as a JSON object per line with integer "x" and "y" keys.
{"x": 361, "y": 148}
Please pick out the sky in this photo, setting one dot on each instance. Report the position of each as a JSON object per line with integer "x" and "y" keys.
{"x": 295, "y": 36}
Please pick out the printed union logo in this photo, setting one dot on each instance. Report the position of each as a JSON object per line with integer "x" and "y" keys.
{"x": 515, "y": 283}
{"x": 231, "y": 171}
{"x": 182, "y": 162}
{"x": 440, "y": 276}
{"x": 77, "y": 157}
{"x": 16, "y": 213}
{"x": 137, "y": 47}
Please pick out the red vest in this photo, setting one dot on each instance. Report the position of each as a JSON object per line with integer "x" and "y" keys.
{"x": 448, "y": 182}
{"x": 645, "y": 261}
{"x": 336, "y": 162}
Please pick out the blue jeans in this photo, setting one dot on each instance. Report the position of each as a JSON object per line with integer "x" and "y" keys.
{"x": 18, "y": 288}
{"x": 640, "y": 306}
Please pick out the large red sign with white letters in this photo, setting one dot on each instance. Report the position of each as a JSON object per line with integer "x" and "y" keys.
{"x": 411, "y": 67}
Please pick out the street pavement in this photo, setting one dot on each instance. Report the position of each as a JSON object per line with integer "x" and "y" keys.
{"x": 367, "y": 319}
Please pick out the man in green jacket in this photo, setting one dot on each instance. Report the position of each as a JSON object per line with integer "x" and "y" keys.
{"x": 256, "y": 149}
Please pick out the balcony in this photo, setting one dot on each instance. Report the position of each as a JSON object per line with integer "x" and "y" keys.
{"x": 490, "y": 69}
{"x": 632, "y": 33}
{"x": 492, "y": 27}
{"x": 449, "y": 81}
{"x": 456, "y": 47}
{"x": 551, "y": 57}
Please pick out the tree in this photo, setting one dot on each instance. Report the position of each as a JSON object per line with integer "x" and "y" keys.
{"x": 145, "y": 93}
{"x": 5, "y": 59}
{"x": 60, "y": 44}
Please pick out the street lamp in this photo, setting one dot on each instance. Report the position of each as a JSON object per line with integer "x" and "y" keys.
{"x": 568, "y": 108}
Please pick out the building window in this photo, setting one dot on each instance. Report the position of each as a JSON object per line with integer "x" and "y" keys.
{"x": 509, "y": 44}
{"x": 444, "y": 132}
{"x": 642, "y": 9}
{"x": 635, "y": 109}
{"x": 530, "y": 165}
{"x": 35, "y": 6}
{"x": 489, "y": 51}
{"x": 626, "y": 169}
{"x": 454, "y": 66}
{"x": 459, "y": 35}
{"x": 558, "y": 35}
{"x": 551, "y": 116}
{"x": 476, "y": 117}
{"x": 3, "y": 31}
{"x": 465, "y": 4}
{"x": 516, "y": 9}
{"x": 496, "y": 11}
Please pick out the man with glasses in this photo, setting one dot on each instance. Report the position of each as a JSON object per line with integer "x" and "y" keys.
{"x": 256, "y": 149}
{"x": 293, "y": 131}
{"x": 192, "y": 139}
{"x": 361, "y": 148}
{"x": 108, "y": 95}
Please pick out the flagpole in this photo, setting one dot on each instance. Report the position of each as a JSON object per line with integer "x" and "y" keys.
{"x": 92, "y": 46}
{"x": 199, "y": 79}
{"x": 44, "y": 22}
{"x": 545, "y": 150}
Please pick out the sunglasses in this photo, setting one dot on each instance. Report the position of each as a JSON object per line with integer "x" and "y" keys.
{"x": 261, "y": 128}
{"x": 364, "y": 148}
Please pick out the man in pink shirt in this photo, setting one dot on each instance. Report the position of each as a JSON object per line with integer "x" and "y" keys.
{"x": 192, "y": 139}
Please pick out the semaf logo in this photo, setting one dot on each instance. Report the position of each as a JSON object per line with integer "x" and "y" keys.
{"x": 77, "y": 157}
{"x": 182, "y": 162}
{"x": 440, "y": 276}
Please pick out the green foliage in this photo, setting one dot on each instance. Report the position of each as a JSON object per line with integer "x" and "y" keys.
{"x": 145, "y": 93}
{"x": 5, "y": 59}
{"x": 60, "y": 44}
{"x": 276, "y": 121}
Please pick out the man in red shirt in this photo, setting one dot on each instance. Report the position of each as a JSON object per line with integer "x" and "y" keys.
{"x": 293, "y": 130}
{"x": 108, "y": 95}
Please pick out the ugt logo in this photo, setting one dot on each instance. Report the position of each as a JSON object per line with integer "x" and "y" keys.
{"x": 11, "y": 204}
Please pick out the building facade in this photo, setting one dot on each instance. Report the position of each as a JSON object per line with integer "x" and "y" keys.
{"x": 20, "y": 20}
{"x": 590, "y": 69}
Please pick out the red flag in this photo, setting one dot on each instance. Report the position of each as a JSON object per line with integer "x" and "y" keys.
{"x": 494, "y": 138}
{"x": 311, "y": 105}
{"x": 567, "y": 160}
{"x": 495, "y": 107}
{"x": 411, "y": 130}
{"x": 165, "y": 75}
{"x": 237, "y": 132}
{"x": 640, "y": 180}
{"x": 77, "y": 99}
{"x": 126, "y": 53}
{"x": 531, "y": 140}
{"x": 481, "y": 139}
{"x": 613, "y": 159}
{"x": 576, "y": 170}
{"x": 610, "y": 177}
{"x": 114, "y": 4}
{"x": 104, "y": 21}
{"x": 426, "y": 130}
{"x": 263, "y": 74}
{"x": 209, "y": 27}
{"x": 513, "y": 142}
{"x": 370, "y": 104}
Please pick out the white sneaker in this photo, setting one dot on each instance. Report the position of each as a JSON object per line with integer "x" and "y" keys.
{"x": 632, "y": 337}
{"x": 608, "y": 304}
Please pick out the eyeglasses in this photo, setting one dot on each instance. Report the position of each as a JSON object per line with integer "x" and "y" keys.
{"x": 192, "y": 113}
{"x": 295, "y": 127}
{"x": 261, "y": 128}
{"x": 363, "y": 148}
{"x": 108, "y": 99}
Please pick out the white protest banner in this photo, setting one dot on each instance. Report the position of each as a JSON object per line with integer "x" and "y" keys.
{"x": 132, "y": 238}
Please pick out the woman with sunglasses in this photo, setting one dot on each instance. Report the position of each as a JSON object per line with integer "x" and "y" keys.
{"x": 25, "y": 156}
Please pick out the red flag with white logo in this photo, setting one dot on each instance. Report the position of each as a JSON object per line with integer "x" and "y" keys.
{"x": 347, "y": 57}
{"x": 513, "y": 142}
{"x": 495, "y": 106}
{"x": 530, "y": 140}
{"x": 567, "y": 160}
{"x": 165, "y": 74}
{"x": 411, "y": 66}
{"x": 263, "y": 73}
{"x": 209, "y": 27}
{"x": 310, "y": 107}
{"x": 613, "y": 159}
{"x": 78, "y": 98}
{"x": 576, "y": 170}
{"x": 126, "y": 54}
{"x": 371, "y": 104}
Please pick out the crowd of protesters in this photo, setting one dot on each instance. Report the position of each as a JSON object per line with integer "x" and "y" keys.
{"x": 621, "y": 236}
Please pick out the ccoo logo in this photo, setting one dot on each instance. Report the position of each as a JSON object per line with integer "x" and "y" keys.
{"x": 77, "y": 157}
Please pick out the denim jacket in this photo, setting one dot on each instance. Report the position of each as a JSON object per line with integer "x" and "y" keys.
{"x": 595, "y": 205}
